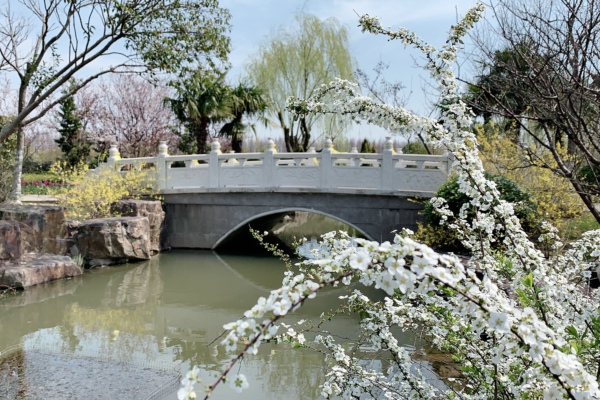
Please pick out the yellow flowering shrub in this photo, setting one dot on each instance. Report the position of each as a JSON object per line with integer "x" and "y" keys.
{"x": 554, "y": 197}
{"x": 91, "y": 193}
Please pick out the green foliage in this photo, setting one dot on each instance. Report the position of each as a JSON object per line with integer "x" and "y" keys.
{"x": 202, "y": 100}
{"x": 441, "y": 238}
{"x": 187, "y": 143}
{"x": 36, "y": 167}
{"x": 497, "y": 88}
{"x": 296, "y": 62}
{"x": 589, "y": 175}
{"x": 72, "y": 142}
{"x": 177, "y": 35}
{"x": 575, "y": 227}
{"x": 367, "y": 147}
{"x": 414, "y": 148}
{"x": 205, "y": 99}
{"x": 244, "y": 100}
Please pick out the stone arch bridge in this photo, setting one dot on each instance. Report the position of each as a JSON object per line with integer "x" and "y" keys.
{"x": 208, "y": 197}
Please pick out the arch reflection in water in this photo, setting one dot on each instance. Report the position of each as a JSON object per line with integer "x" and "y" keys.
{"x": 169, "y": 311}
{"x": 284, "y": 228}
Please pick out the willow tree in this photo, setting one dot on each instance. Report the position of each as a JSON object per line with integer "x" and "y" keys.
{"x": 46, "y": 43}
{"x": 296, "y": 62}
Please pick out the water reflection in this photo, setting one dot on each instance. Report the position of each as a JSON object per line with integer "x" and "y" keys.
{"x": 170, "y": 310}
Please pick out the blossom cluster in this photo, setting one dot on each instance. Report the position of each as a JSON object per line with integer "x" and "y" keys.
{"x": 518, "y": 322}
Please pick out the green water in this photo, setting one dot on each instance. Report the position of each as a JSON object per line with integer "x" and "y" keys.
{"x": 170, "y": 311}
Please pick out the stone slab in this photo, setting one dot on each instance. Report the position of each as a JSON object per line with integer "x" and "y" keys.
{"x": 32, "y": 269}
{"x": 106, "y": 241}
{"x": 42, "y": 228}
{"x": 10, "y": 240}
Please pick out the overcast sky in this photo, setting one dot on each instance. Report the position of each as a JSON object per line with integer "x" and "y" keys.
{"x": 253, "y": 21}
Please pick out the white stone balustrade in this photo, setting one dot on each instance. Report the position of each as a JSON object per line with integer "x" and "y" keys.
{"x": 327, "y": 171}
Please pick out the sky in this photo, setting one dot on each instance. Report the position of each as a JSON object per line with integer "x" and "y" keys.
{"x": 254, "y": 21}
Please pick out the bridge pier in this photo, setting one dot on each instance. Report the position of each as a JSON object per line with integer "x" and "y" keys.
{"x": 203, "y": 220}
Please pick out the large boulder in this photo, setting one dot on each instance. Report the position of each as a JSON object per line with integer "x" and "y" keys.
{"x": 33, "y": 269}
{"x": 10, "y": 240}
{"x": 42, "y": 227}
{"x": 156, "y": 218}
{"x": 106, "y": 241}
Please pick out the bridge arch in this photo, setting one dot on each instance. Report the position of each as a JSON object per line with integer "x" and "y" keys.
{"x": 202, "y": 220}
{"x": 286, "y": 210}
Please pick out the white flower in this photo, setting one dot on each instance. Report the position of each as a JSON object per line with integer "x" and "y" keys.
{"x": 239, "y": 383}
{"x": 499, "y": 322}
{"x": 392, "y": 264}
{"x": 186, "y": 392}
{"x": 405, "y": 280}
{"x": 553, "y": 393}
{"x": 386, "y": 282}
{"x": 360, "y": 260}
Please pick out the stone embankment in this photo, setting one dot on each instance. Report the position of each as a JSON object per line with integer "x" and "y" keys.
{"x": 38, "y": 245}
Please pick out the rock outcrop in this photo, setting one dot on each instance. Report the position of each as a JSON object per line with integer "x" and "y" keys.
{"x": 33, "y": 269}
{"x": 42, "y": 228}
{"x": 10, "y": 240}
{"x": 109, "y": 241}
{"x": 156, "y": 218}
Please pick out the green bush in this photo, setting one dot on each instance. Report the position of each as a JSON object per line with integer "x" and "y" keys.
{"x": 36, "y": 167}
{"x": 414, "y": 148}
{"x": 439, "y": 237}
{"x": 367, "y": 147}
{"x": 589, "y": 175}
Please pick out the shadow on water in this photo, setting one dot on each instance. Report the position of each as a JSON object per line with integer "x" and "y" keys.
{"x": 284, "y": 229}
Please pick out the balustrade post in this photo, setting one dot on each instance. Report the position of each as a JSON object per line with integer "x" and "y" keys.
{"x": 354, "y": 161}
{"x": 113, "y": 157}
{"x": 268, "y": 165}
{"x": 447, "y": 164}
{"x": 213, "y": 163}
{"x": 387, "y": 165}
{"x": 326, "y": 165}
{"x": 161, "y": 165}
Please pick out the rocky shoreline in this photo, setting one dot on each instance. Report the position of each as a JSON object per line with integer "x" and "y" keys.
{"x": 37, "y": 243}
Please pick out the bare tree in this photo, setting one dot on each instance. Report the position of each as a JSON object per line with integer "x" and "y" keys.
{"x": 46, "y": 43}
{"x": 541, "y": 72}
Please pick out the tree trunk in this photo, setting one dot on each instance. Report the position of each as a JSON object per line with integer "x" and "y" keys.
{"x": 15, "y": 195}
{"x": 202, "y": 136}
{"x": 236, "y": 144}
{"x": 305, "y": 132}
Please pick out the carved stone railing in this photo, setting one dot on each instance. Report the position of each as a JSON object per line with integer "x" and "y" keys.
{"x": 327, "y": 171}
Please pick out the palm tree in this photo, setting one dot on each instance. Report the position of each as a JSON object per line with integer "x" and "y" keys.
{"x": 202, "y": 100}
{"x": 244, "y": 100}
